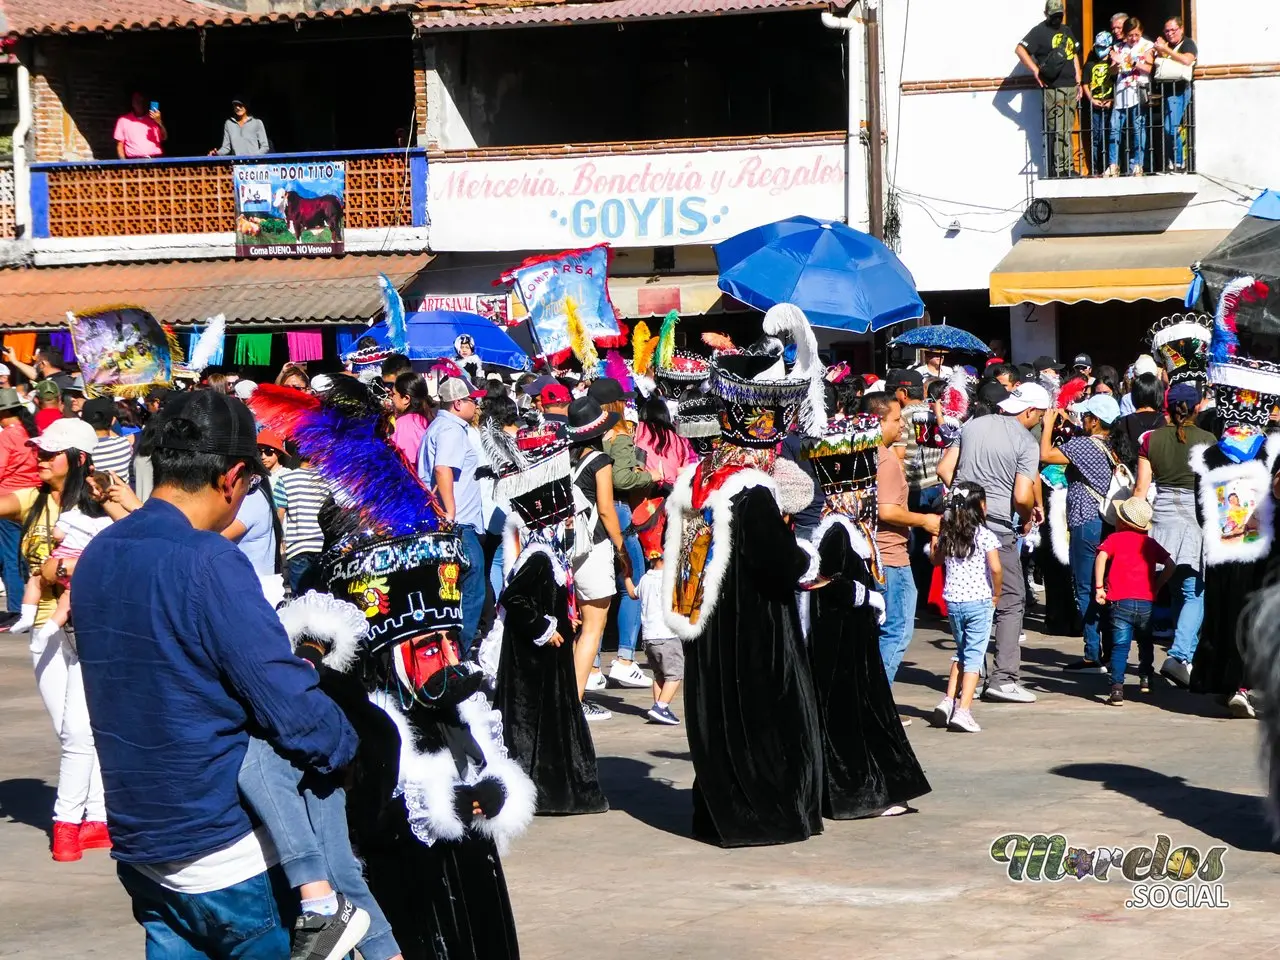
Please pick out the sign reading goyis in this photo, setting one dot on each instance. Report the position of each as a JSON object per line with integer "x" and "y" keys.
{"x": 575, "y": 281}
{"x": 631, "y": 199}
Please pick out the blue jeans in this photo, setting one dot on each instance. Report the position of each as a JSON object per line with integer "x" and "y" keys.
{"x": 300, "y": 568}
{"x": 628, "y": 609}
{"x": 306, "y": 817}
{"x": 971, "y": 630}
{"x": 1175, "y": 111}
{"x": 1099, "y": 141}
{"x": 472, "y": 583}
{"x": 242, "y": 922}
{"x": 1127, "y": 618}
{"x": 11, "y": 566}
{"x": 922, "y": 501}
{"x": 1136, "y": 119}
{"x": 1186, "y": 590}
{"x": 495, "y": 570}
{"x": 1084, "y": 551}
{"x": 899, "y": 617}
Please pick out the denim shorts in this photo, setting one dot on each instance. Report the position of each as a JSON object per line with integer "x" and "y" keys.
{"x": 971, "y": 628}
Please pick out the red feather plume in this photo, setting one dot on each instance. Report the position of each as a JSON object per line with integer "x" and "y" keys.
{"x": 1072, "y": 391}
{"x": 279, "y": 408}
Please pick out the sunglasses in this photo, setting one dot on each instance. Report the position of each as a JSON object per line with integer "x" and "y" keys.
{"x": 46, "y": 455}
{"x": 268, "y": 452}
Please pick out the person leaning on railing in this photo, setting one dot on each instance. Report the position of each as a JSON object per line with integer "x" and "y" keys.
{"x": 1176, "y": 55}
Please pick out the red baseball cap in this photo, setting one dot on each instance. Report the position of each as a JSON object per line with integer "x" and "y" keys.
{"x": 554, "y": 393}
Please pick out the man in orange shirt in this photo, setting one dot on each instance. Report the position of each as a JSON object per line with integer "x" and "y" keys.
{"x": 891, "y": 536}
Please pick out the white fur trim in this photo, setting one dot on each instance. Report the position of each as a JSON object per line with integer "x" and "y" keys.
{"x": 326, "y": 618}
{"x": 1216, "y": 552}
{"x": 517, "y": 811}
{"x": 1060, "y": 535}
{"x": 547, "y": 634}
{"x": 811, "y": 572}
{"x": 720, "y": 503}
{"x": 490, "y": 651}
{"x": 426, "y": 780}
{"x": 509, "y": 566}
{"x": 857, "y": 539}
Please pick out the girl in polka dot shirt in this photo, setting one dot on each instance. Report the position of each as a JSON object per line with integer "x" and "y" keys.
{"x": 971, "y": 554}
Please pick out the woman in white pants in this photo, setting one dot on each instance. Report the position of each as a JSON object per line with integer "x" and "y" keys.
{"x": 64, "y": 449}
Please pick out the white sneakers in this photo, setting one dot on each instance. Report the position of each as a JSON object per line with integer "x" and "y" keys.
{"x": 1009, "y": 693}
{"x": 627, "y": 675}
{"x": 596, "y": 680}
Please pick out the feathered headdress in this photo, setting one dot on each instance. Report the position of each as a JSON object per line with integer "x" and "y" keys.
{"x": 1072, "y": 392}
{"x": 955, "y": 398}
{"x": 718, "y": 341}
{"x": 344, "y": 444}
{"x": 642, "y": 346}
{"x": 393, "y": 315}
{"x": 667, "y": 340}
{"x": 616, "y": 368}
{"x": 209, "y": 345}
{"x": 579, "y": 342}
{"x": 788, "y": 319}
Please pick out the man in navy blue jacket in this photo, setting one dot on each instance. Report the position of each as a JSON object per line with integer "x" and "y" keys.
{"x": 183, "y": 658}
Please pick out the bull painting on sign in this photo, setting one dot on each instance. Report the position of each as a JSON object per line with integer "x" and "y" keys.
{"x": 290, "y": 209}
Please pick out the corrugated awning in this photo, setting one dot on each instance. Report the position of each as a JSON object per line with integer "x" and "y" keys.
{"x": 319, "y": 290}
{"x": 1124, "y": 267}
{"x": 603, "y": 11}
{"x": 640, "y": 298}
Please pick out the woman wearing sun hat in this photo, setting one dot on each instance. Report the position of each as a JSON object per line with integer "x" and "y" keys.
{"x": 594, "y": 578}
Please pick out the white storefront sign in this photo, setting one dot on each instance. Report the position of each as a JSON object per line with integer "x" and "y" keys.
{"x": 629, "y": 200}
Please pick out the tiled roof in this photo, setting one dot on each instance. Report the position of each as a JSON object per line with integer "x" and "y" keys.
{"x": 30, "y": 17}
{"x": 317, "y": 290}
{"x": 602, "y": 10}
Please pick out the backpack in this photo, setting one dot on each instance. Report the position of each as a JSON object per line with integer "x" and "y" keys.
{"x": 585, "y": 516}
{"x": 1061, "y": 55}
{"x": 1118, "y": 491}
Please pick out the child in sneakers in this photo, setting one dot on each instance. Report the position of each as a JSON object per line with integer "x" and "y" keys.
{"x": 1129, "y": 589}
{"x": 666, "y": 653}
{"x": 970, "y": 553}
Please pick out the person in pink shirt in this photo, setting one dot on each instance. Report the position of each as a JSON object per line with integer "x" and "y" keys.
{"x": 666, "y": 453}
{"x": 411, "y": 404}
{"x": 140, "y": 133}
{"x": 17, "y": 472}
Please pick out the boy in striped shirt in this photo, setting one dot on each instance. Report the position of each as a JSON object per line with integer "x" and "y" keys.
{"x": 299, "y": 494}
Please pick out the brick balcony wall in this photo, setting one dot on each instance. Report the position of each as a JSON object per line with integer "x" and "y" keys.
{"x": 87, "y": 85}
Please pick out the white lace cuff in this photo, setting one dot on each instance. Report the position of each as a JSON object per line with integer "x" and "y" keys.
{"x": 811, "y": 573}
{"x": 548, "y": 633}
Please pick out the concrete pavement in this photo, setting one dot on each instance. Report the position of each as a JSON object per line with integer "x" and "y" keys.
{"x": 631, "y": 885}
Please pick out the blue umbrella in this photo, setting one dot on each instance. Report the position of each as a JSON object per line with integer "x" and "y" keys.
{"x": 942, "y": 338}
{"x": 431, "y": 335}
{"x": 838, "y": 276}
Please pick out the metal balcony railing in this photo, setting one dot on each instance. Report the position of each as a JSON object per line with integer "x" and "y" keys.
{"x": 1155, "y": 137}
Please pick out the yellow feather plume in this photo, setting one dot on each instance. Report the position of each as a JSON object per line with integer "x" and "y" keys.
{"x": 640, "y": 357}
{"x": 579, "y": 342}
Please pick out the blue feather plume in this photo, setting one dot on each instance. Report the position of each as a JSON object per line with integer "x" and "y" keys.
{"x": 365, "y": 470}
{"x": 393, "y": 313}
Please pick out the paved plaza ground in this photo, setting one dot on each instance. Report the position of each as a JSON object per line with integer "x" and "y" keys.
{"x": 631, "y": 885}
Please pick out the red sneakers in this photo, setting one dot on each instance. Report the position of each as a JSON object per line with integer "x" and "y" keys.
{"x": 94, "y": 836}
{"x": 66, "y": 841}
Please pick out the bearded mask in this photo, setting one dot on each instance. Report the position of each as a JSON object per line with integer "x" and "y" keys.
{"x": 429, "y": 667}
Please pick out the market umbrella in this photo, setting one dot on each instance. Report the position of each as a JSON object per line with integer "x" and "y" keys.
{"x": 941, "y": 338}
{"x": 838, "y": 276}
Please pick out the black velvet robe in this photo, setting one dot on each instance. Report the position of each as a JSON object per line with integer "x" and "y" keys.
{"x": 749, "y": 702}
{"x": 537, "y": 692}
{"x": 868, "y": 763}
{"x": 447, "y": 901}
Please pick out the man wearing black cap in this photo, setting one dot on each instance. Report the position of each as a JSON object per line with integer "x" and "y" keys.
{"x": 242, "y": 134}
{"x": 182, "y": 658}
{"x": 1083, "y": 365}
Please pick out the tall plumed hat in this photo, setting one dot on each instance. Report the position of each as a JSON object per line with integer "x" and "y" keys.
{"x": 844, "y": 458}
{"x": 758, "y": 398}
{"x": 674, "y": 368}
{"x": 1180, "y": 342}
{"x": 533, "y": 473}
{"x": 1244, "y": 355}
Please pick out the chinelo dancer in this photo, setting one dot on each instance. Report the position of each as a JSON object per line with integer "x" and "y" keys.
{"x": 732, "y": 566}
{"x": 530, "y": 649}
{"x": 869, "y": 768}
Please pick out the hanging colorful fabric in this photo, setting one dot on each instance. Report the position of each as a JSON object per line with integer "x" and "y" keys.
{"x": 253, "y": 349}
{"x": 305, "y": 345}
{"x": 23, "y": 345}
{"x": 60, "y": 340}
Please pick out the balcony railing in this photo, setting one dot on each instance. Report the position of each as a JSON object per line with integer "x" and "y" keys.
{"x": 1155, "y": 137}
{"x": 181, "y": 195}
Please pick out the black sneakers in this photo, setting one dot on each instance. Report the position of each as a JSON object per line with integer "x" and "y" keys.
{"x": 329, "y": 938}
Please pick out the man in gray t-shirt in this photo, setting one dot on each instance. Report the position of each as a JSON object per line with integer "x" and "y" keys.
{"x": 999, "y": 453}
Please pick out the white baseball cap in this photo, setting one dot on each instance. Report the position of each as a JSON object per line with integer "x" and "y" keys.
{"x": 69, "y": 433}
{"x": 1026, "y": 396}
{"x": 4, "y": 370}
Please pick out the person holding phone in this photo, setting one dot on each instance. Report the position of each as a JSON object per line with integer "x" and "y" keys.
{"x": 140, "y": 133}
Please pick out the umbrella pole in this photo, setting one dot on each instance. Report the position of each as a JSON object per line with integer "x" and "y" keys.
{"x": 537, "y": 344}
